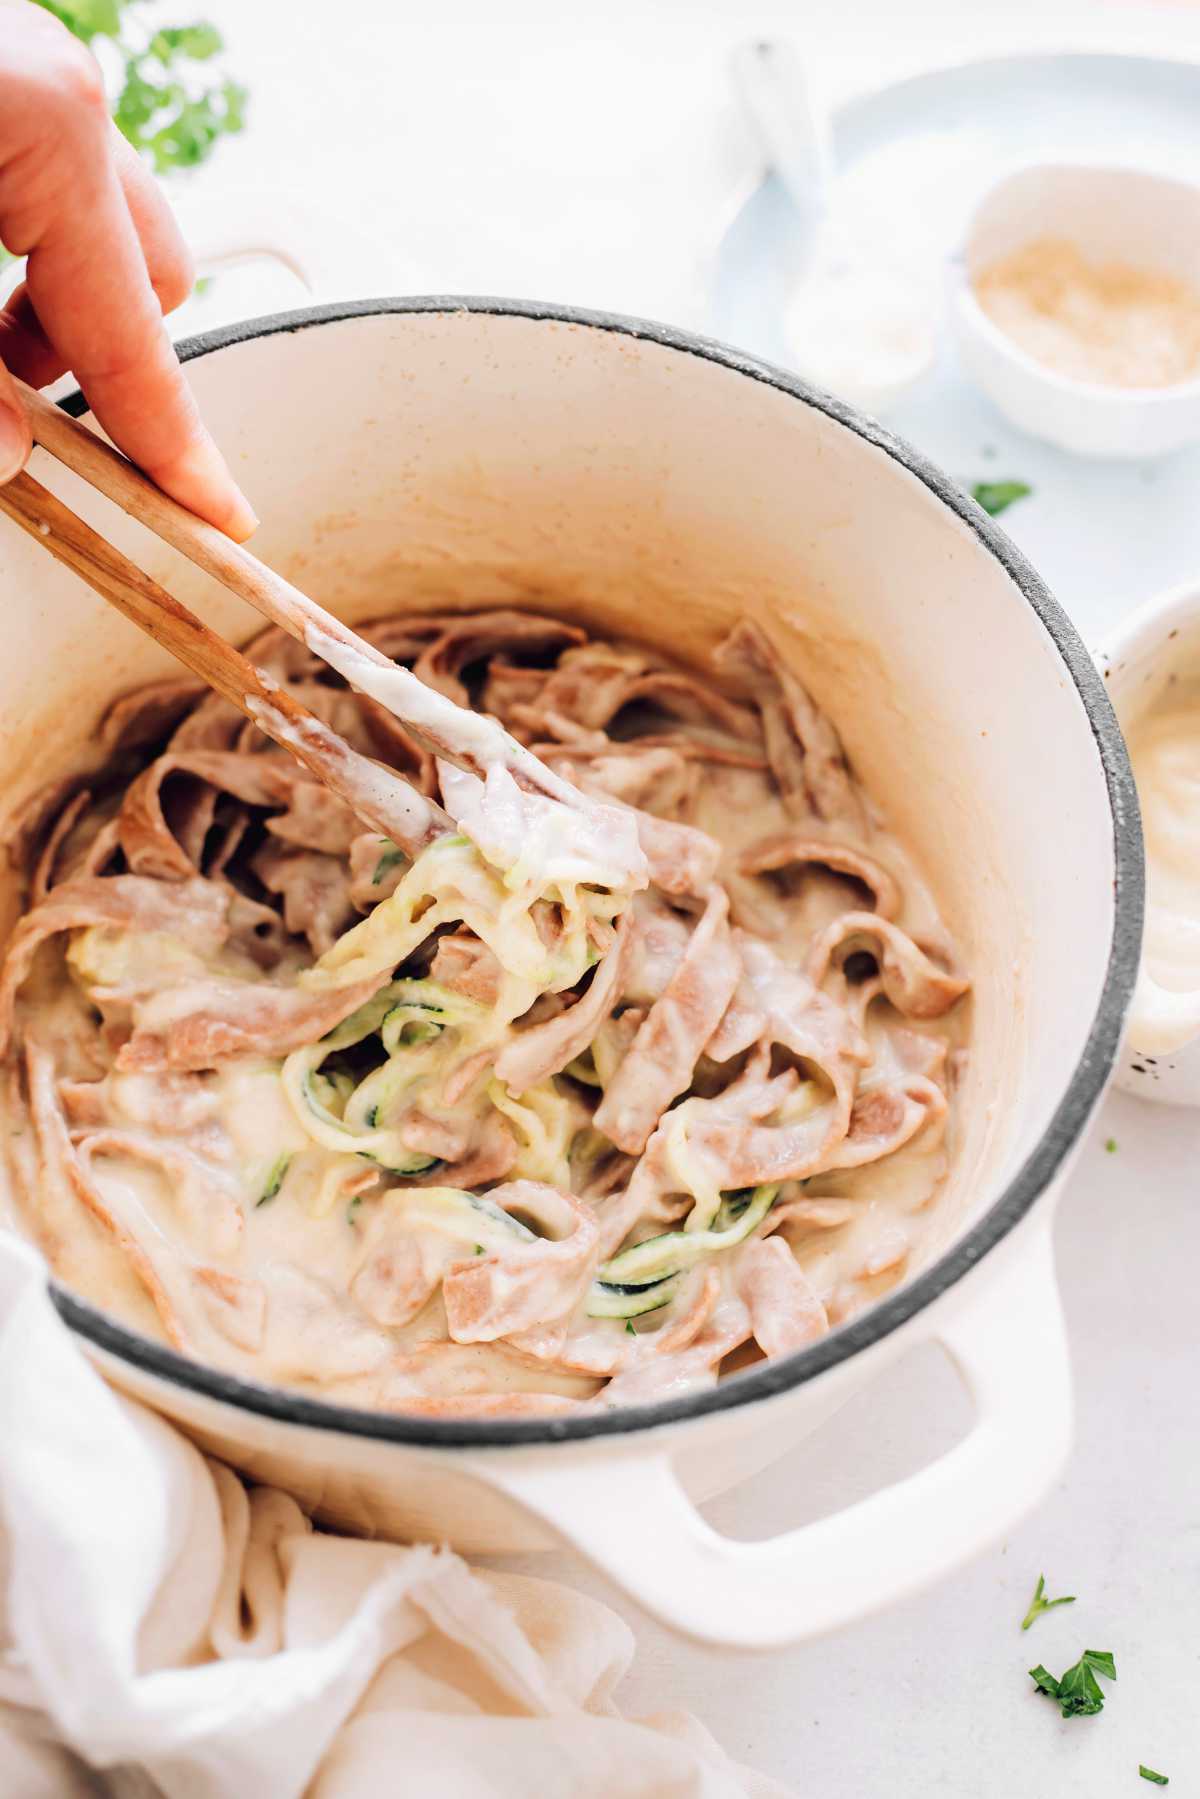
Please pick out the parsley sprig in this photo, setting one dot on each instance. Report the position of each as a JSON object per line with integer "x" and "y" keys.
{"x": 172, "y": 99}
{"x": 1078, "y": 1692}
{"x": 1038, "y": 1604}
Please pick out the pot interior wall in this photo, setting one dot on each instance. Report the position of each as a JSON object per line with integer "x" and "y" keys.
{"x": 453, "y": 459}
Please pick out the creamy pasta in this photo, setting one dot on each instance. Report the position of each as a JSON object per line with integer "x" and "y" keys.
{"x": 581, "y": 1105}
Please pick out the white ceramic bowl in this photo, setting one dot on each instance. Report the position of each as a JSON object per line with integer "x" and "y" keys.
{"x": 1112, "y": 215}
{"x": 1161, "y": 1058}
{"x": 433, "y": 453}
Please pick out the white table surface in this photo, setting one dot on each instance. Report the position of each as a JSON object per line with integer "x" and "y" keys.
{"x": 592, "y": 154}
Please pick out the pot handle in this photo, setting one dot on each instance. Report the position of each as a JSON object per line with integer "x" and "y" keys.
{"x": 629, "y": 1514}
{"x": 323, "y": 252}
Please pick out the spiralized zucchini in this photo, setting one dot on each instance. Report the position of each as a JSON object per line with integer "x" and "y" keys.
{"x": 451, "y": 883}
{"x": 425, "y": 1030}
{"x": 463, "y": 1217}
{"x": 608, "y": 1300}
{"x": 647, "y": 1267}
{"x": 320, "y": 1104}
{"x": 543, "y": 1118}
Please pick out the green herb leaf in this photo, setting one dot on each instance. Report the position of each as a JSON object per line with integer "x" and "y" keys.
{"x": 1078, "y": 1692}
{"x": 197, "y": 41}
{"x": 480, "y": 1250}
{"x": 170, "y": 106}
{"x": 629, "y": 1330}
{"x": 352, "y": 1208}
{"x": 997, "y": 496}
{"x": 1038, "y": 1604}
{"x": 1111, "y": 1146}
{"x": 86, "y": 19}
{"x": 1160, "y": 1780}
{"x": 389, "y": 859}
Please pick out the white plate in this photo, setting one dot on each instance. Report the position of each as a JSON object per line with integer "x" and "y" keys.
{"x": 915, "y": 157}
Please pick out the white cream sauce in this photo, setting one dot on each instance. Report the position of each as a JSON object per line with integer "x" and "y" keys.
{"x": 1164, "y": 746}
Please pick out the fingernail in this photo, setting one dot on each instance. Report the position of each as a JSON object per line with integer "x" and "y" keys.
{"x": 200, "y": 479}
{"x": 243, "y": 520}
{"x": 14, "y": 443}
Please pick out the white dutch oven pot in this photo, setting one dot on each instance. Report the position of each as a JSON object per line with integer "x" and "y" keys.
{"x": 434, "y": 453}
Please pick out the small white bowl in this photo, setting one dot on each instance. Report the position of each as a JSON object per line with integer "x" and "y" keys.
{"x": 1111, "y": 215}
{"x": 1161, "y": 638}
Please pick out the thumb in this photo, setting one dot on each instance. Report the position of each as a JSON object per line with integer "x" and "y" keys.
{"x": 15, "y": 439}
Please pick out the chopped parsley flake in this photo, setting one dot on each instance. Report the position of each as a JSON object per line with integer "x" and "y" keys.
{"x": 171, "y": 99}
{"x": 997, "y": 496}
{"x": 390, "y": 858}
{"x": 1111, "y": 1145}
{"x": 1078, "y": 1692}
{"x": 1160, "y": 1780}
{"x": 1039, "y": 1604}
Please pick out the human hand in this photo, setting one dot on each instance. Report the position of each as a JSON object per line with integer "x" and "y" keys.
{"x": 106, "y": 261}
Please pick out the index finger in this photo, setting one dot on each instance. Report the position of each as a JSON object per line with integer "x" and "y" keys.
{"x": 89, "y": 285}
{"x": 24, "y": 346}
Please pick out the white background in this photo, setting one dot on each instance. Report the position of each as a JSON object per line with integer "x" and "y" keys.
{"x": 592, "y": 154}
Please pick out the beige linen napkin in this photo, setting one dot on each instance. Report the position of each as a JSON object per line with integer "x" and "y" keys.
{"x": 167, "y": 1632}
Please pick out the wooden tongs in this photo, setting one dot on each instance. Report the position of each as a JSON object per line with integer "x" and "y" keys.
{"x": 383, "y": 799}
